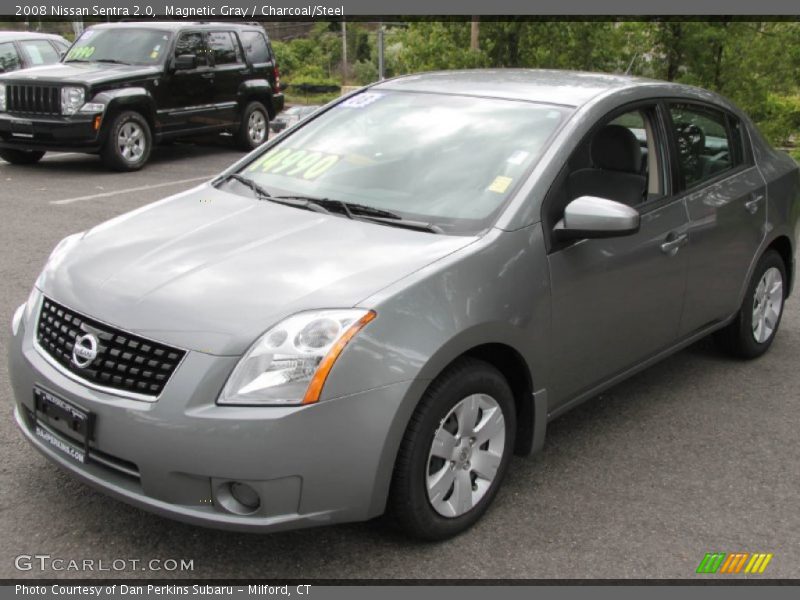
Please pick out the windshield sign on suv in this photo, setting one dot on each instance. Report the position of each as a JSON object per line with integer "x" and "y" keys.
{"x": 124, "y": 46}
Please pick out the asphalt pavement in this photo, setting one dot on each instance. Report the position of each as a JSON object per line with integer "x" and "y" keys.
{"x": 698, "y": 454}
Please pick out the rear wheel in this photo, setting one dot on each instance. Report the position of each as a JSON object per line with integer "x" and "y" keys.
{"x": 254, "y": 129}
{"x": 21, "y": 157}
{"x": 129, "y": 142}
{"x": 455, "y": 452}
{"x": 752, "y": 331}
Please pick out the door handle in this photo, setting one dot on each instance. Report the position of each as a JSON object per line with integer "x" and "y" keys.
{"x": 207, "y": 76}
{"x": 752, "y": 205}
{"x": 674, "y": 243}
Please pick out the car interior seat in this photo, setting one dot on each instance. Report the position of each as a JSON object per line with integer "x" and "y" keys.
{"x": 616, "y": 172}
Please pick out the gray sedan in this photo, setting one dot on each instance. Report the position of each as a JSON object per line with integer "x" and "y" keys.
{"x": 375, "y": 310}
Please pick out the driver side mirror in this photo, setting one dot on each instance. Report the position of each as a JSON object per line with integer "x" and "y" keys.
{"x": 185, "y": 62}
{"x": 592, "y": 217}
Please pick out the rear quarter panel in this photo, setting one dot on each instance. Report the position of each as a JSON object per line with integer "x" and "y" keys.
{"x": 782, "y": 177}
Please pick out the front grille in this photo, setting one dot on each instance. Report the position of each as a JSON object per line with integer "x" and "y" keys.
{"x": 124, "y": 361}
{"x": 33, "y": 99}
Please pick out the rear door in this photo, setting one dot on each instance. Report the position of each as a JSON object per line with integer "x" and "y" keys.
{"x": 230, "y": 69}
{"x": 725, "y": 196}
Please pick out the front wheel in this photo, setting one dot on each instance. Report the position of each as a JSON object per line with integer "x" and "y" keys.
{"x": 752, "y": 331}
{"x": 129, "y": 142}
{"x": 254, "y": 129}
{"x": 455, "y": 452}
{"x": 21, "y": 157}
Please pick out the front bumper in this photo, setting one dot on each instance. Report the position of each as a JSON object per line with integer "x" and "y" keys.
{"x": 311, "y": 465}
{"x": 49, "y": 133}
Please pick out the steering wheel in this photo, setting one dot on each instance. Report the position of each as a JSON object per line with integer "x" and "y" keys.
{"x": 691, "y": 143}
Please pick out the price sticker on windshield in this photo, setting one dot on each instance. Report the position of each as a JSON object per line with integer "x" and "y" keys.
{"x": 292, "y": 162}
{"x": 81, "y": 53}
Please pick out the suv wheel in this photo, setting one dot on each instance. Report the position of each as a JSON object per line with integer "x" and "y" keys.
{"x": 254, "y": 129}
{"x": 455, "y": 452}
{"x": 752, "y": 331}
{"x": 129, "y": 142}
{"x": 21, "y": 157}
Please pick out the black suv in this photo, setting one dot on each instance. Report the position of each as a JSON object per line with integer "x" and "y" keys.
{"x": 123, "y": 87}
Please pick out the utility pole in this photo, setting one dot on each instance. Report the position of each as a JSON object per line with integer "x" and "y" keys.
{"x": 380, "y": 53}
{"x": 474, "y": 33}
{"x": 344, "y": 53}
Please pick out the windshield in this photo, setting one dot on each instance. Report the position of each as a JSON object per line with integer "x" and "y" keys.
{"x": 451, "y": 161}
{"x": 124, "y": 46}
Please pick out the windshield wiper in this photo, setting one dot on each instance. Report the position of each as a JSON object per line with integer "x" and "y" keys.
{"x": 263, "y": 194}
{"x": 110, "y": 60}
{"x": 368, "y": 213}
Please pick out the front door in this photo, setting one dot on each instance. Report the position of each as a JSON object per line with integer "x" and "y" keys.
{"x": 617, "y": 301}
{"x": 186, "y": 97}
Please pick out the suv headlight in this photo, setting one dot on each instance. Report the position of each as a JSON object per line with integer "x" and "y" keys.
{"x": 289, "y": 364}
{"x": 72, "y": 99}
{"x": 3, "y": 97}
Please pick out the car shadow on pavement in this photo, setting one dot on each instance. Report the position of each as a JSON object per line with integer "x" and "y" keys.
{"x": 56, "y": 163}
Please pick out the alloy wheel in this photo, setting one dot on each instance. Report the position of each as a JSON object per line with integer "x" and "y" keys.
{"x": 767, "y": 304}
{"x": 257, "y": 127}
{"x": 131, "y": 142}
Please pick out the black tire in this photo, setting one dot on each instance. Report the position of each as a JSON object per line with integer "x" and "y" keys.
{"x": 738, "y": 338}
{"x": 246, "y": 138}
{"x": 408, "y": 503}
{"x": 21, "y": 157}
{"x": 134, "y": 158}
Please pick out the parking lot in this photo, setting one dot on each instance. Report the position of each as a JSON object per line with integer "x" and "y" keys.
{"x": 697, "y": 454}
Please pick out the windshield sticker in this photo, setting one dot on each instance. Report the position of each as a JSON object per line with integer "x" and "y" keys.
{"x": 361, "y": 100}
{"x": 81, "y": 53}
{"x": 518, "y": 157}
{"x": 500, "y": 184}
{"x": 303, "y": 164}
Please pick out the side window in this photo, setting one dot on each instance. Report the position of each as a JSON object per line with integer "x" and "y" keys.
{"x": 223, "y": 48}
{"x": 192, "y": 43}
{"x": 255, "y": 46}
{"x": 9, "y": 60}
{"x": 706, "y": 146}
{"x": 39, "y": 52}
{"x": 622, "y": 159}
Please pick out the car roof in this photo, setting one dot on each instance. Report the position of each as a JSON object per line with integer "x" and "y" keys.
{"x": 9, "y": 36}
{"x": 567, "y": 88}
{"x": 178, "y": 25}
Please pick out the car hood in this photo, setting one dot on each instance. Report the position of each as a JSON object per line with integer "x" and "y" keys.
{"x": 82, "y": 73}
{"x": 210, "y": 271}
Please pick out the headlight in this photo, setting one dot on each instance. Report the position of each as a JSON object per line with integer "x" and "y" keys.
{"x": 290, "y": 362}
{"x": 2, "y": 97}
{"x": 71, "y": 99}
